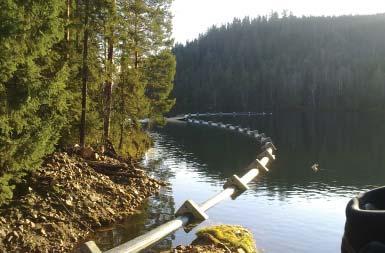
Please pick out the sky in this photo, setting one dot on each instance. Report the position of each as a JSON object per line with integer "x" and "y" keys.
{"x": 192, "y": 17}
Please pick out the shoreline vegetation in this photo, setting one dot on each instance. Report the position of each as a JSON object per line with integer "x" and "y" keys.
{"x": 77, "y": 72}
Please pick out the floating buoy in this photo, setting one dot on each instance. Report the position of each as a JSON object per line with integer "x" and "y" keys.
{"x": 315, "y": 167}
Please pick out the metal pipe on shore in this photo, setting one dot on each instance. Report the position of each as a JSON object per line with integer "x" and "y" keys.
{"x": 190, "y": 211}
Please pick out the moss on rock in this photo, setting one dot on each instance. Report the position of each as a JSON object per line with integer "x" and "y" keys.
{"x": 233, "y": 238}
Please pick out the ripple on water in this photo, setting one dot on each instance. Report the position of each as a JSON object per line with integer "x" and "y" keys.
{"x": 290, "y": 209}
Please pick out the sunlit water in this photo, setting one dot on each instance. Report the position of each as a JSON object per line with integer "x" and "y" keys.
{"x": 290, "y": 209}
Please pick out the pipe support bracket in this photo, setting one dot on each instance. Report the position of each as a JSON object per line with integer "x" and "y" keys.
{"x": 189, "y": 207}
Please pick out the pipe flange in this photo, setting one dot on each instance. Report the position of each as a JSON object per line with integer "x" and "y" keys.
{"x": 236, "y": 182}
{"x": 189, "y": 207}
{"x": 269, "y": 145}
{"x": 261, "y": 166}
{"x": 266, "y": 154}
{"x": 265, "y": 140}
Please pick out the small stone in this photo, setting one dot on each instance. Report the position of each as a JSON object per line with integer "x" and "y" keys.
{"x": 96, "y": 156}
{"x": 110, "y": 210}
{"x": 15, "y": 234}
{"x": 87, "y": 153}
{"x": 94, "y": 198}
{"x": 42, "y": 231}
{"x": 69, "y": 202}
{"x": 2, "y": 233}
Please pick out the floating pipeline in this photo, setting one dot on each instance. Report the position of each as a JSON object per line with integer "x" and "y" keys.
{"x": 260, "y": 137}
{"x": 191, "y": 213}
{"x": 210, "y": 114}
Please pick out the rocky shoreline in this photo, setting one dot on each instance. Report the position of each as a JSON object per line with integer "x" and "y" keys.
{"x": 69, "y": 197}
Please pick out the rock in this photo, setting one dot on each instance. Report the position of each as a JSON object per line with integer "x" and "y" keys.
{"x": 110, "y": 210}
{"x": 234, "y": 238}
{"x": 42, "y": 231}
{"x": 2, "y": 233}
{"x": 96, "y": 156}
{"x": 87, "y": 153}
{"x": 15, "y": 234}
{"x": 76, "y": 149}
{"x": 10, "y": 238}
{"x": 100, "y": 149}
{"x": 68, "y": 202}
{"x": 67, "y": 199}
{"x": 94, "y": 198}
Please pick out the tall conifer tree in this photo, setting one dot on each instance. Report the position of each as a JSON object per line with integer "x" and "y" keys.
{"x": 33, "y": 74}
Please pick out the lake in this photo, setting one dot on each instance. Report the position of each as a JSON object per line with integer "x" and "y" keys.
{"x": 291, "y": 208}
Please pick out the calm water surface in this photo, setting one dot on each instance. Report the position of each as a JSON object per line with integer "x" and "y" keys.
{"x": 290, "y": 209}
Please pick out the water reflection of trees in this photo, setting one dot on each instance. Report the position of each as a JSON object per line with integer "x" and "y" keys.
{"x": 221, "y": 151}
{"x": 156, "y": 211}
{"x": 348, "y": 147}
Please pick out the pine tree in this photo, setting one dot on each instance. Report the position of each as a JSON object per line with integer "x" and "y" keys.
{"x": 284, "y": 63}
{"x": 33, "y": 74}
{"x": 160, "y": 71}
{"x": 110, "y": 37}
{"x": 67, "y": 67}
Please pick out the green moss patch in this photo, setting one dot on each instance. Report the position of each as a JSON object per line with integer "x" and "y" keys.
{"x": 231, "y": 237}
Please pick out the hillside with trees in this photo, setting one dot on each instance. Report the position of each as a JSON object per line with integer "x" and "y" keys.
{"x": 284, "y": 62}
{"x": 79, "y": 72}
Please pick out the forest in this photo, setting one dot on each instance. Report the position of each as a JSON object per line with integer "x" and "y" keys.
{"x": 283, "y": 62}
{"x": 79, "y": 71}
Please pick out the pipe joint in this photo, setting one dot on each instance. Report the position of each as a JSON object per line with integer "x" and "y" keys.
{"x": 189, "y": 207}
{"x": 236, "y": 183}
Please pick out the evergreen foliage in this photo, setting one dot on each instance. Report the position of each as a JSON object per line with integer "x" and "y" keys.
{"x": 160, "y": 71}
{"x": 32, "y": 86}
{"x": 50, "y": 50}
{"x": 284, "y": 63}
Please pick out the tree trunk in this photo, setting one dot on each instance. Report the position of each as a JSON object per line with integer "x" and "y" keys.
{"x": 108, "y": 90}
{"x": 123, "y": 109}
{"x": 84, "y": 78}
{"x": 68, "y": 20}
{"x": 67, "y": 32}
{"x": 77, "y": 35}
{"x": 121, "y": 135}
{"x": 108, "y": 86}
{"x": 136, "y": 60}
